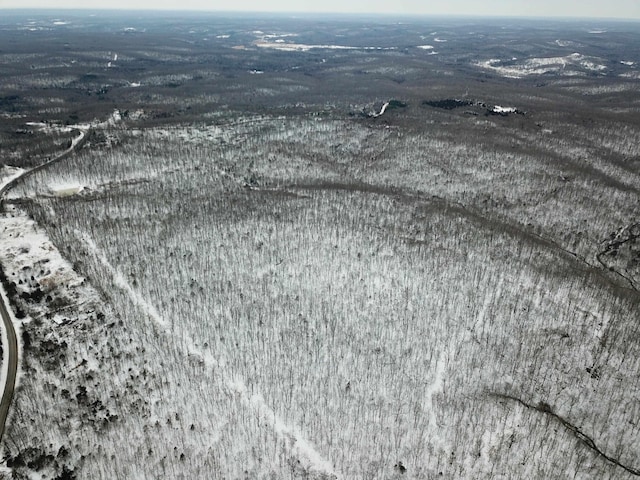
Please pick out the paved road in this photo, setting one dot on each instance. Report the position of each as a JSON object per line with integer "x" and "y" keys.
{"x": 77, "y": 143}
{"x": 7, "y": 394}
{"x": 9, "y": 386}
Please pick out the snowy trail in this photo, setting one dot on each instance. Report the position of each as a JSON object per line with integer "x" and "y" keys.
{"x": 293, "y": 437}
{"x": 121, "y": 282}
{"x": 382, "y": 110}
{"x": 437, "y": 386}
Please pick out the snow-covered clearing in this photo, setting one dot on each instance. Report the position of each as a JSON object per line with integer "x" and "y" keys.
{"x": 26, "y": 248}
{"x": 66, "y": 190}
{"x": 570, "y": 65}
{"x": 57, "y": 128}
{"x": 49, "y": 128}
{"x": 499, "y": 109}
{"x": 301, "y": 47}
{"x": 564, "y": 43}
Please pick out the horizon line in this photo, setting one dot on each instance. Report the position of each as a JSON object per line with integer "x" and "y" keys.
{"x": 316, "y": 13}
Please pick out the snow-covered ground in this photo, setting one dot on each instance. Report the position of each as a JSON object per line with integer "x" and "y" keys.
{"x": 570, "y": 65}
{"x": 635, "y": 75}
{"x": 401, "y": 344}
{"x": 35, "y": 265}
{"x": 382, "y": 110}
{"x": 301, "y": 47}
{"x": 277, "y": 41}
{"x": 36, "y": 269}
{"x": 33, "y": 262}
{"x": 8, "y": 173}
{"x": 58, "y": 128}
{"x": 66, "y": 190}
{"x": 499, "y": 109}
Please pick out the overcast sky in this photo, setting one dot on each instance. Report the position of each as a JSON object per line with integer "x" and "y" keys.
{"x": 540, "y": 8}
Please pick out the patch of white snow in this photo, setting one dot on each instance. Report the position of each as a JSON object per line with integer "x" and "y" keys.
{"x": 499, "y": 109}
{"x": 66, "y": 190}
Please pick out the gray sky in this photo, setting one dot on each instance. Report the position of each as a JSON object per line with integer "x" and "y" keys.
{"x": 573, "y": 8}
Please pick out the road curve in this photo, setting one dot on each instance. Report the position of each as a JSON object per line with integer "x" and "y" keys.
{"x": 12, "y": 344}
{"x": 12, "y": 338}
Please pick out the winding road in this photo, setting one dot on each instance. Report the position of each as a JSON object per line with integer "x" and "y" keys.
{"x": 12, "y": 338}
{"x": 12, "y": 347}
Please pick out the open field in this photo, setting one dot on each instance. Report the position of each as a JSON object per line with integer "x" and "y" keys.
{"x": 333, "y": 252}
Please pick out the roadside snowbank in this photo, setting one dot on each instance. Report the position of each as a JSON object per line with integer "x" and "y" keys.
{"x": 8, "y": 173}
